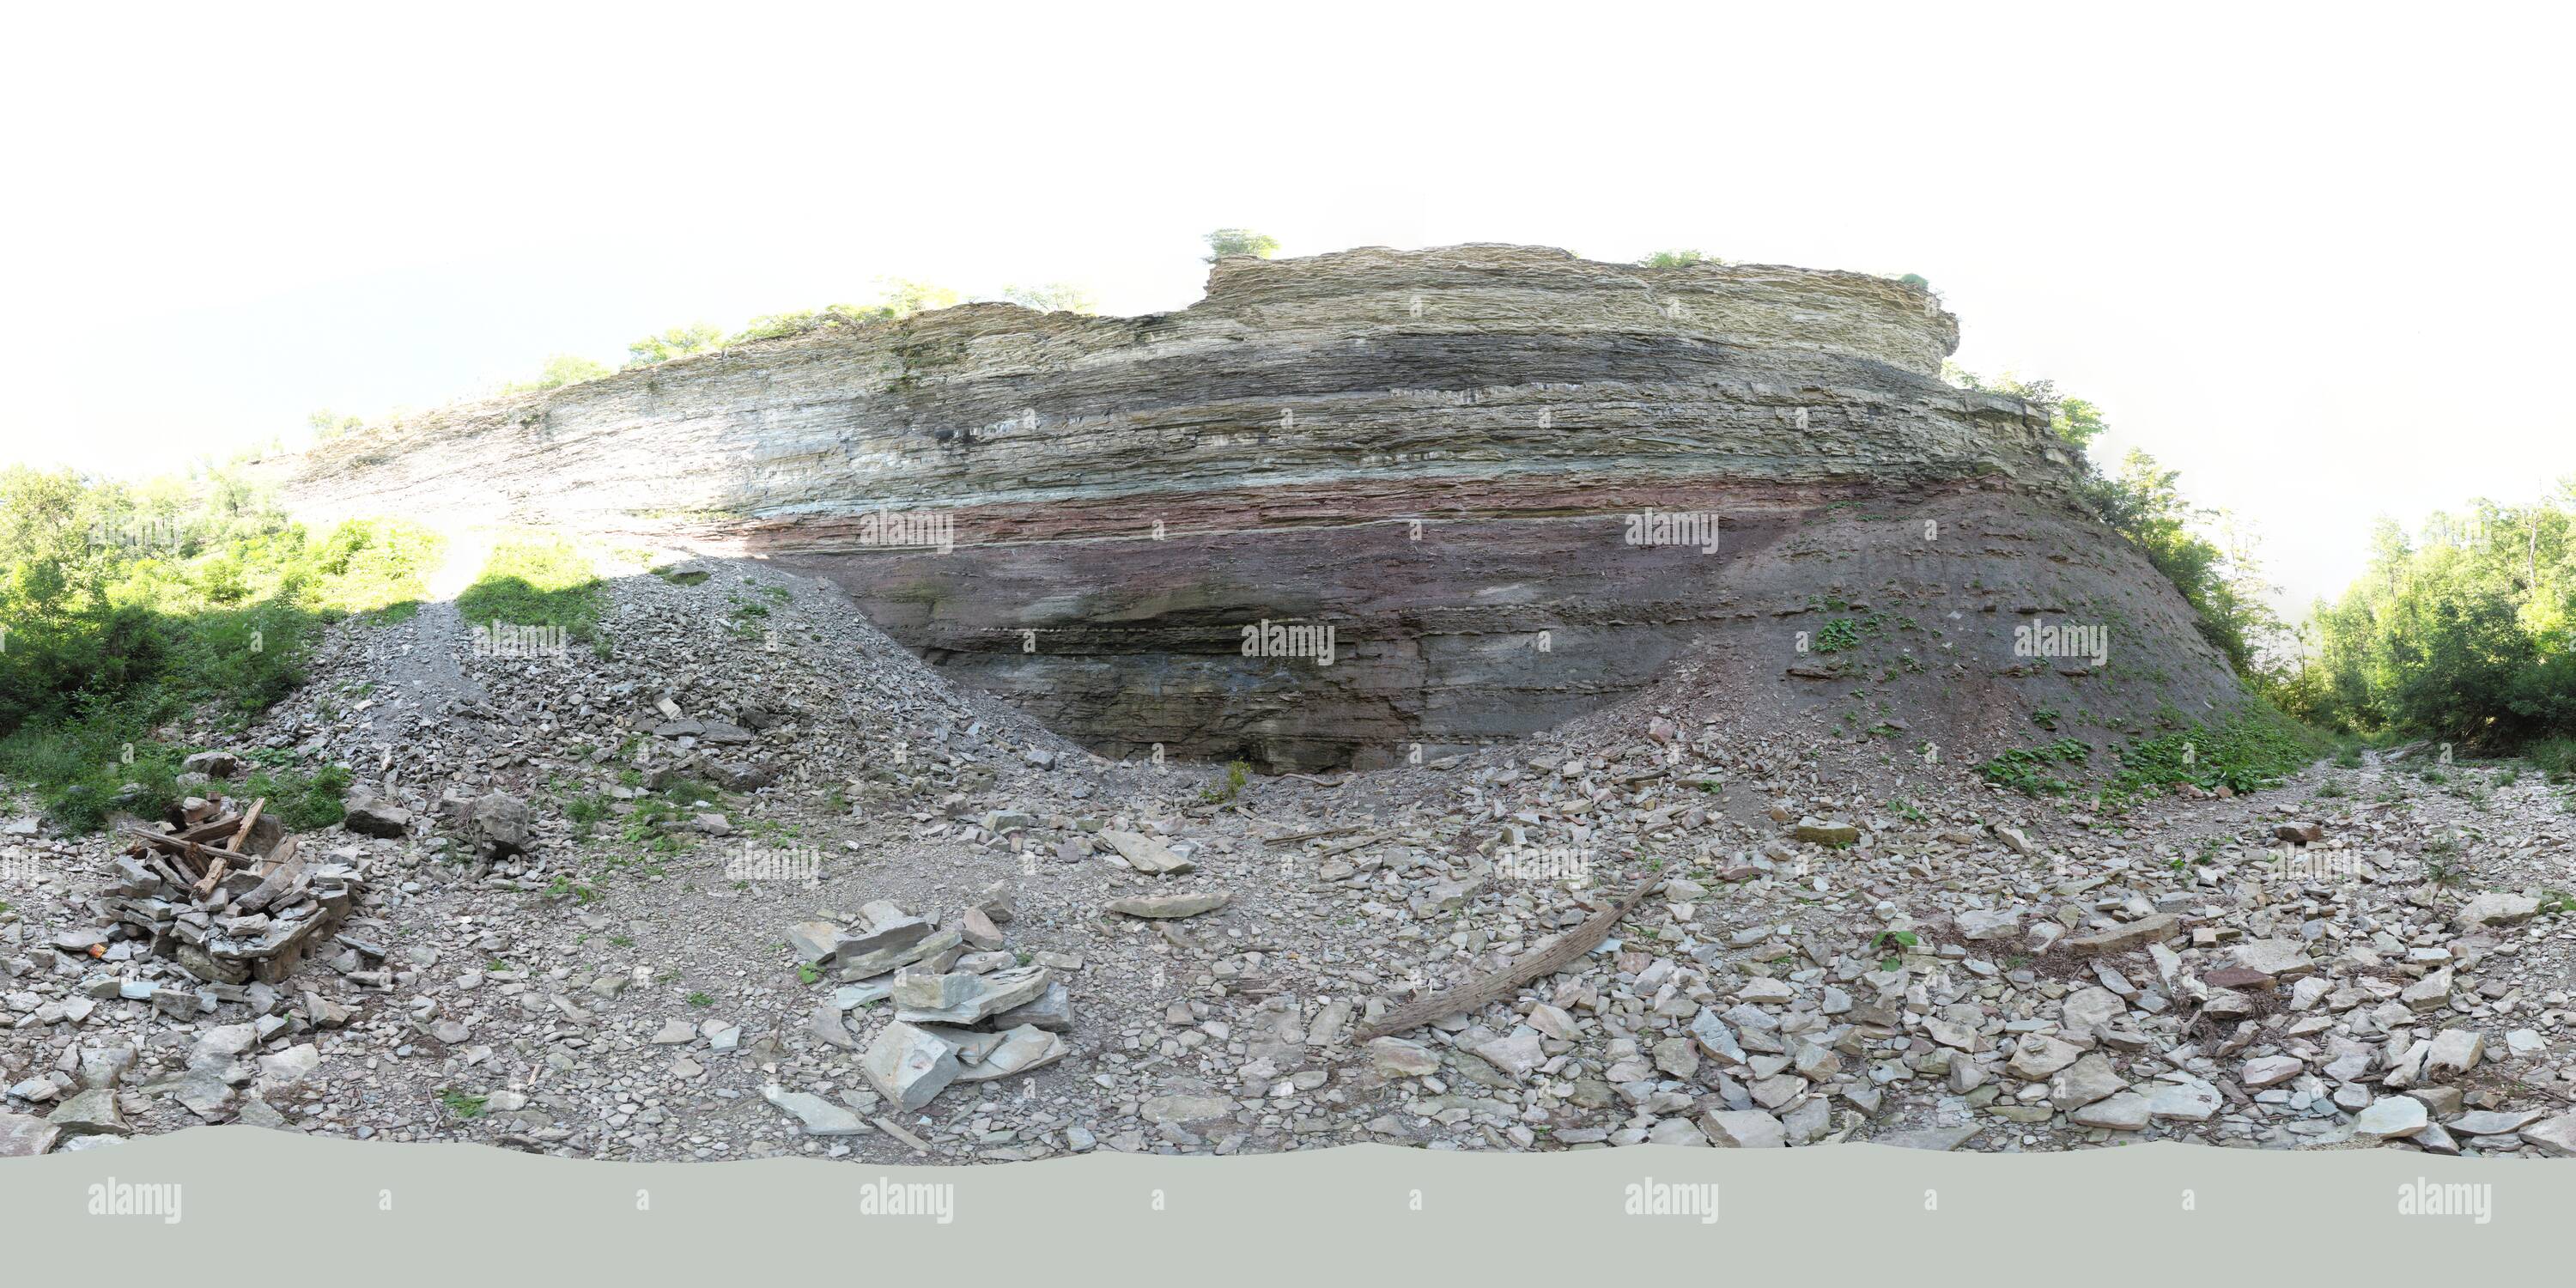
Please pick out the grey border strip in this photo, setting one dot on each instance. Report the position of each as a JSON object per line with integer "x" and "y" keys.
{"x": 274, "y": 1208}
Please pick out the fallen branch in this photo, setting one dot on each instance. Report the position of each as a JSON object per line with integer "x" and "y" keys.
{"x": 1567, "y": 950}
{"x": 1294, "y": 837}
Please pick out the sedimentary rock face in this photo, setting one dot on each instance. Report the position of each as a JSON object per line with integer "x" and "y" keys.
{"x": 1364, "y": 506}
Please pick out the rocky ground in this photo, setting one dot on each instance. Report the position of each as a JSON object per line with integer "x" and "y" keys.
{"x": 749, "y": 879}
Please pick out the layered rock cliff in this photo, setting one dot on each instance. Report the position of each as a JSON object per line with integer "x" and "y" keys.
{"x": 1495, "y": 472}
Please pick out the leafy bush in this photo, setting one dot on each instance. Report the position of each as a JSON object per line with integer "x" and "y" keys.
{"x": 1054, "y": 297}
{"x": 123, "y": 607}
{"x": 2462, "y": 635}
{"x": 1676, "y": 259}
{"x": 1228, "y": 784}
{"x": 560, "y": 370}
{"x": 2025, "y": 769}
{"x": 677, "y": 342}
{"x": 302, "y": 802}
{"x": 2247, "y": 753}
{"x": 1240, "y": 241}
{"x": 2555, "y": 757}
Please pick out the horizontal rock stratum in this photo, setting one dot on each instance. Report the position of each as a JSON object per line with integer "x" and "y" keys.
{"x": 1514, "y": 484}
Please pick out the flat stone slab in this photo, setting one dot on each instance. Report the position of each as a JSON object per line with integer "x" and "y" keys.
{"x": 2121, "y": 939}
{"x": 2390, "y": 1117}
{"x": 1171, "y": 905}
{"x": 1406, "y": 1058}
{"x": 819, "y": 1117}
{"x": 870, "y": 965}
{"x": 25, "y": 1136}
{"x": 1933, "y": 1138}
{"x": 1821, "y": 832}
{"x": 91, "y": 1113}
{"x": 2493, "y": 1122}
{"x": 1144, "y": 853}
{"x": 909, "y": 1066}
{"x": 2191, "y": 1102}
{"x": 2497, "y": 910}
{"x": 980, "y": 995}
{"x": 2271, "y": 1070}
{"x": 2126, "y": 1111}
{"x": 1020, "y": 1050}
{"x": 1743, "y": 1129}
{"x": 2278, "y": 958}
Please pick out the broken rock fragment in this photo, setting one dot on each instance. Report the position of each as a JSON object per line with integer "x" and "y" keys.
{"x": 909, "y": 1066}
{"x": 1170, "y": 905}
{"x": 966, "y": 998}
{"x": 1144, "y": 853}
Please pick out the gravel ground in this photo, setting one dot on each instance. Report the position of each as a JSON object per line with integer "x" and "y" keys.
{"x": 1846, "y": 943}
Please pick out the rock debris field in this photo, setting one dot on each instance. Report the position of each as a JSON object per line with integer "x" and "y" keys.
{"x": 739, "y": 884}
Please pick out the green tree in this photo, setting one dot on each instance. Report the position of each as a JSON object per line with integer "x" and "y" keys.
{"x": 2144, "y": 503}
{"x": 1227, "y": 242}
{"x": 2075, "y": 419}
{"x": 1054, "y": 297}
{"x": 2461, "y": 632}
{"x": 678, "y": 342}
{"x": 1676, "y": 259}
{"x": 898, "y": 298}
{"x": 771, "y": 326}
{"x": 905, "y": 297}
{"x": 327, "y": 424}
{"x": 560, "y": 370}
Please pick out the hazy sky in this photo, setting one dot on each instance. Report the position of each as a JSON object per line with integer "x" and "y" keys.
{"x": 2313, "y": 260}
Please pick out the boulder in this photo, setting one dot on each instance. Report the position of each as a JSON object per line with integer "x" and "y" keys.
{"x": 2497, "y": 909}
{"x": 500, "y": 826}
{"x": 377, "y": 818}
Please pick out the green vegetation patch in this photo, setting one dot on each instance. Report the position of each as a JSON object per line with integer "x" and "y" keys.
{"x": 126, "y": 607}
{"x": 536, "y": 580}
{"x": 2026, "y": 769}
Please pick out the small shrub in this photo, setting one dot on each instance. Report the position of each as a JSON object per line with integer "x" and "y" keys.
{"x": 1838, "y": 634}
{"x": 2025, "y": 770}
{"x": 300, "y": 801}
{"x": 1228, "y": 784}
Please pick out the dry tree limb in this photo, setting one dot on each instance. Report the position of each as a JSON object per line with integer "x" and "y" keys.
{"x": 1567, "y": 950}
{"x": 222, "y": 862}
{"x": 249, "y": 821}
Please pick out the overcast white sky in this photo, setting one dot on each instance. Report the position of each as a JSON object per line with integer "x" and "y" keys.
{"x": 2315, "y": 260}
